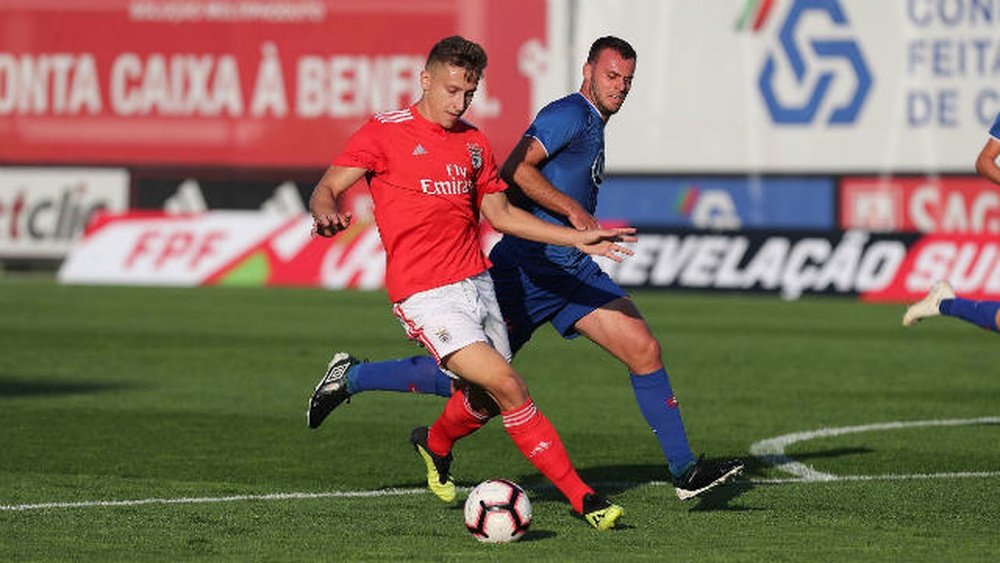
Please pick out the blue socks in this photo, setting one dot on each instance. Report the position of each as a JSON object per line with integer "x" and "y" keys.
{"x": 659, "y": 407}
{"x": 418, "y": 374}
{"x": 981, "y": 313}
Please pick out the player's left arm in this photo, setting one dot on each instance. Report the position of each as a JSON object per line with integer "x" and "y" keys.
{"x": 986, "y": 163}
{"x": 523, "y": 170}
{"x": 513, "y": 220}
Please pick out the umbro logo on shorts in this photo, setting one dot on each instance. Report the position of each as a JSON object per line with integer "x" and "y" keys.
{"x": 418, "y": 150}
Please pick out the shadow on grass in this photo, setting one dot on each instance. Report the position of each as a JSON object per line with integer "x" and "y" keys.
{"x": 610, "y": 480}
{"x": 758, "y": 467}
{"x": 719, "y": 498}
{"x": 536, "y": 535}
{"x": 825, "y": 454}
{"x": 35, "y": 387}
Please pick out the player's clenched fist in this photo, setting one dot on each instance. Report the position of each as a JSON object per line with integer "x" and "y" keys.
{"x": 330, "y": 224}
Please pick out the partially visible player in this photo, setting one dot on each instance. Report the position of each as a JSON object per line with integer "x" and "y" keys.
{"x": 558, "y": 167}
{"x": 941, "y": 299}
{"x": 430, "y": 175}
{"x": 986, "y": 162}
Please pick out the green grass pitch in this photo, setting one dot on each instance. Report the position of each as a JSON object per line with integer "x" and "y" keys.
{"x": 124, "y": 394}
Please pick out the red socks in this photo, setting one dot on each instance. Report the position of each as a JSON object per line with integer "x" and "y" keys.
{"x": 531, "y": 432}
{"x": 458, "y": 420}
{"x": 537, "y": 439}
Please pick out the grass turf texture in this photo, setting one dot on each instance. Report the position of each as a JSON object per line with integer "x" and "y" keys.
{"x": 137, "y": 393}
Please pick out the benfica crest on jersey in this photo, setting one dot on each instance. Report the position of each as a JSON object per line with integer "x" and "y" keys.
{"x": 476, "y": 154}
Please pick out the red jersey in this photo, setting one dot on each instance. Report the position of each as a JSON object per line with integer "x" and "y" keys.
{"x": 427, "y": 183}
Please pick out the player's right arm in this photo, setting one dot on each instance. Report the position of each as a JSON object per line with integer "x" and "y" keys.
{"x": 328, "y": 217}
{"x": 986, "y": 163}
{"x": 522, "y": 169}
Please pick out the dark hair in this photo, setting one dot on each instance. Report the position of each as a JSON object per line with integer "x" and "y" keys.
{"x": 459, "y": 51}
{"x": 610, "y": 42}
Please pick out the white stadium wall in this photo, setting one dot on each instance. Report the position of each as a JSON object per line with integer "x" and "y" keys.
{"x": 857, "y": 85}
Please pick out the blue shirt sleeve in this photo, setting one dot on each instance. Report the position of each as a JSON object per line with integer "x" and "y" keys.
{"x": 555, "y": 126}
{"x": 995, "y": 130}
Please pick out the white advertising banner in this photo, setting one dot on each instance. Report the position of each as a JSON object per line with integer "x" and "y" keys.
{"x": 43, "y": 210}
{"x": 801, "y": 85}
{"x": 180, "y": 250}
{"x": 229, "y": 248}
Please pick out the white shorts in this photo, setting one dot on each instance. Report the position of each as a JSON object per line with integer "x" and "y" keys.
{"x": 448, "y": 318}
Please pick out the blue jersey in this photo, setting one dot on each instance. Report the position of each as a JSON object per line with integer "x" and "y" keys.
{"x": 572, "y": 132}
{"x": 537, "y": 283}
{"x": 995, "y": 130}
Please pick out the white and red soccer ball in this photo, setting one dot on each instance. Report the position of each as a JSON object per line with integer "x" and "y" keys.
{"x": 497, "y": 511}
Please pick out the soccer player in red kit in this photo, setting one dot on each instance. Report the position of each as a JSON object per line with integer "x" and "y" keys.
{"x": 430, "y": 175}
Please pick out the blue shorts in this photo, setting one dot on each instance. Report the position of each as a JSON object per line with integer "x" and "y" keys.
{"x": 531, "y": 296}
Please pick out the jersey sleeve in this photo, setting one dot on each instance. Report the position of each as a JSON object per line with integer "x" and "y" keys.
{"x": 363, "y": 150}
{"x": 488, "y": 180}
{"x": 555, "y": 126}
{"x": 995, "y": 130}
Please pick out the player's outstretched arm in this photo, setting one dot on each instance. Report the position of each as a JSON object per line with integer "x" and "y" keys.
{"x": 522, "y": 170}
{"x": 509, "y": 219}
{"x": 986, "y": 163}
{"x": 328, "y": 218}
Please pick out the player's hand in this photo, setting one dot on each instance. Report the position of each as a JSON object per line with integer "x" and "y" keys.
{"x": 582, "y": 220}
{"x": 327, "y": 225}
{"x": 604, "y": 242}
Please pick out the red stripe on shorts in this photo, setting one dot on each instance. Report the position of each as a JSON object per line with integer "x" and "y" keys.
{"x": 414, "y": 333}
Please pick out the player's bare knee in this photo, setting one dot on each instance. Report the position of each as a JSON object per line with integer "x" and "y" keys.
{"x": 645, "y": 355}
{"x": 509, "y": 391}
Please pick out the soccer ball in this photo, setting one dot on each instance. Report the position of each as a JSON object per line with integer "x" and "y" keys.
{"x": 497, "y": 511}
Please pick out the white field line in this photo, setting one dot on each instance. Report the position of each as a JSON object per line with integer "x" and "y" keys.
{"x": 886, "y": 477}
{"x": 404, "y": 492}
{"x": 208, "y": 500}
{"x": 770, "y": 451}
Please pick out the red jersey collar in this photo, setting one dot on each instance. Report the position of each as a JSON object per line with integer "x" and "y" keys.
{"x": 428, "y": 124}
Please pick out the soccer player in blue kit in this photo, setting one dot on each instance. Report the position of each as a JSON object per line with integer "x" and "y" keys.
{"x": 941, "y": 299}
{"x": 555, "y": 172}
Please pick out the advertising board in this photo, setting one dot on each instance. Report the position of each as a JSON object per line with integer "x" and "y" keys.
{"x": 43, "y": 210}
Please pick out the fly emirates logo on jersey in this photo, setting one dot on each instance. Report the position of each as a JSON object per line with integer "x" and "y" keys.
{"x": 457, "y": 182}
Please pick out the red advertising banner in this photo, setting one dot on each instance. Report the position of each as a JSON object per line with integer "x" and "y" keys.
{"x": 237, "y": 82}
{"x": 966, "y": 204}
{"x": 970, "y": 263}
